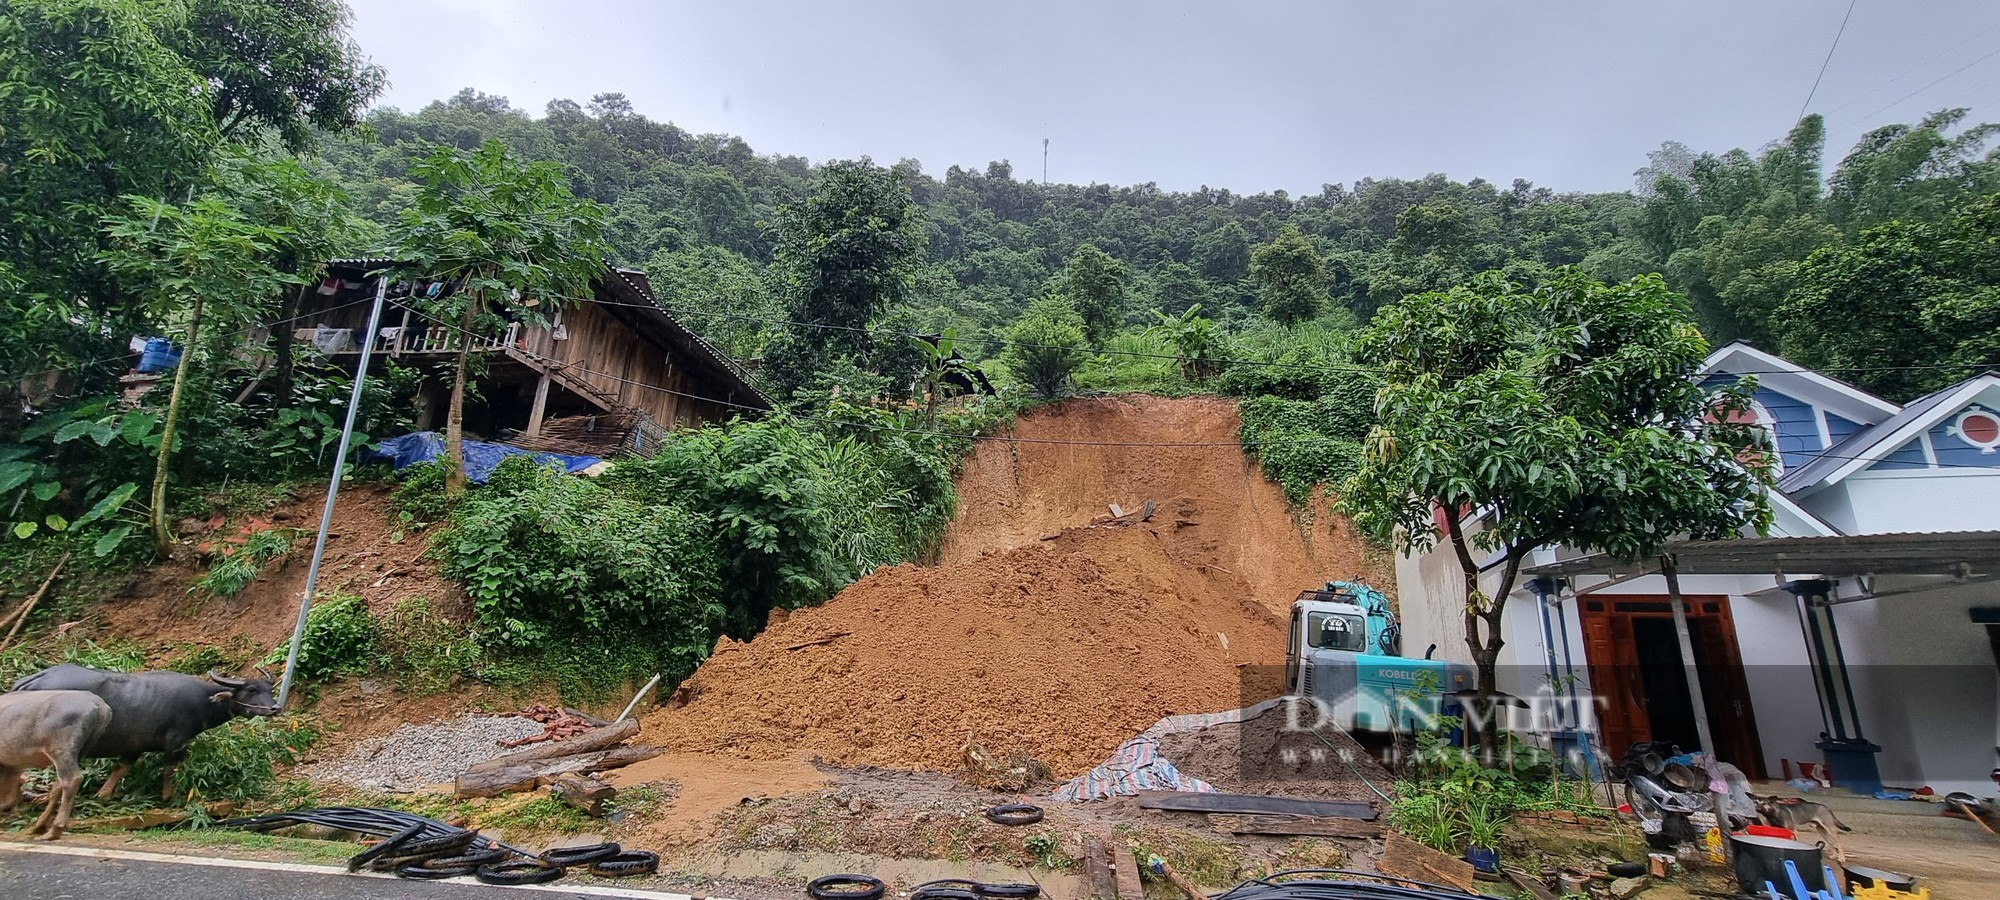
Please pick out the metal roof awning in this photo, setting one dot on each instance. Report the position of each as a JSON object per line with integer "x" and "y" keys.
{"x": 1957, "y": 553}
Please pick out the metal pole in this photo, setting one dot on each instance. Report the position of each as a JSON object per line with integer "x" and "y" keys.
{"x": 333, "y": 489}
{"x": 1695, "y": 699}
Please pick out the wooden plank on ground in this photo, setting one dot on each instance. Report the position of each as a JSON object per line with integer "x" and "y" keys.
{"x": 1405, "y": 858}
{"x": 1301, "y": 826}
{"x": 1253, "y": 804}
{"x": 1126, "y": 867}
{"x": 1097, "y": 869}
{"x": 1528, "y": 884}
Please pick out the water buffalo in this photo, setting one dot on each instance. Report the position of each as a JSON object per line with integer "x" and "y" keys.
{"x": 44, "y": 728}
{"x": 155, "y": 711}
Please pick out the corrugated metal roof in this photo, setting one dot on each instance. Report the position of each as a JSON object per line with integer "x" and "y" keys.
{"x": 1960, "y": 553}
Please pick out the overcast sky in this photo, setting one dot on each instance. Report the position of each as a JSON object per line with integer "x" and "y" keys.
{"x": 1251, "y": 96}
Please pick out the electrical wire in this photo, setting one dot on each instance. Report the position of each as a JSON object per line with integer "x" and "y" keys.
{"x": 85, "y": 364}
{"x": 1940, "y": 79}
{"x": 1107, "y": 351}
{"x": 1911, "y": 70}
{"x": 992, "y": 438}
{"x": 1829, "y": 59}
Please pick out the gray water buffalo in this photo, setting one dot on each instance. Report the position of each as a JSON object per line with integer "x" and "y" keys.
{"x": 155, "y": 711}
{"x": 47, "y": 728}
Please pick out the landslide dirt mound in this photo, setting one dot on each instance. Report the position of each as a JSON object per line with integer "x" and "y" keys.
{"x": 1011, "y": 493}
{"x": 1039, "y": 634}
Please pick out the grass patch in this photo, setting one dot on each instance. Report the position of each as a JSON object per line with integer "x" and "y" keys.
{"x": 307, "y": 850}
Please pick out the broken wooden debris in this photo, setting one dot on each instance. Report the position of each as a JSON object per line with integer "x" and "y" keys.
{"x": 583, "y": 792}
{"x": 1125, "y": 867}
{"x": 818, "y": 641}
{"x": 1298, "y": 826}
{"x": 1180, "y": 881}
{"x": 1528, "y": 884}
{"x": 1253, "y": 804}
{"x": 1405, "y": 858}
{"x": 531, "y": 775}
{"x": 593, "y": 739}
{"x": 1103, "y": 883}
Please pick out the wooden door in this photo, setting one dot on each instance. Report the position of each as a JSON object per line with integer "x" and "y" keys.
{"x": 1613, "y": 661}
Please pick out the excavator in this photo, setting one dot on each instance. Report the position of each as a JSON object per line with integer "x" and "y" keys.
{"x": 1345, "y": 653}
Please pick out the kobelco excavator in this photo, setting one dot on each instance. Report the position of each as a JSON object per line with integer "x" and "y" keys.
{"x": 1345, "y": 652}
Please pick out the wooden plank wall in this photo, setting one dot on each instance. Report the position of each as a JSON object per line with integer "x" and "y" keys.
{"x": 603, "y": 351}
{"x": 608, "y": 355}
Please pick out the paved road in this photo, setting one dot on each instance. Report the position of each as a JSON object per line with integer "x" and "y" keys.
{"x": 51, "y": 876}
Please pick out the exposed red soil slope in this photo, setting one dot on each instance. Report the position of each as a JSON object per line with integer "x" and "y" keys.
{"x": 1038, "y": 634}
{"x": 366, "y": 555}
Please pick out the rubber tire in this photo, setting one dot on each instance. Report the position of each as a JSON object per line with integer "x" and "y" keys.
{"x": 387, "y": 845}
{"x": 966, "y": 883}
{"x": 944, "y": 893}
{"x": 564, "y": 857}
{"x": 473, "y": 858}
{"x": 1008, "y": 891}
{"x": 1014, "y": 814}
{"x": 517, "y": 873}
{"x": 428, "y": 872}
{"x": 872, "y": 888}
{"x": 1625, "y": 870}
{"x": 627, "y": 864}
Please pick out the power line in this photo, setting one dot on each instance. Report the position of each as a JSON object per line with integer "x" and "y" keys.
{"x": 85, "y": 364}
{"x": 1940, "y": 79}
{"x": 1912, "y": 70}
{"x": 1107, "y": 351}
{"x": 1240, "y": 444}
{"x": 1829, "y": 58}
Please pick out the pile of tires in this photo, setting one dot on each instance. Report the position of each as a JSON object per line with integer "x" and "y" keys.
{"x": 426, "y": 849}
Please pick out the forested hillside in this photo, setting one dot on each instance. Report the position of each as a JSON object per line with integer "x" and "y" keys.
{"x": 1732, "y": 230}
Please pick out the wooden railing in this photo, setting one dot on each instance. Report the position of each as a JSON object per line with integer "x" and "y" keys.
{"x": 405, "y": 340}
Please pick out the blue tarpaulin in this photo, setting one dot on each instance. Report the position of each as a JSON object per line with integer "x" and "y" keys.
{"x": 480, "y": 456}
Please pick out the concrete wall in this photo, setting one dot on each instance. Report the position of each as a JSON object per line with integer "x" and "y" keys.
{"x": 1925, "y": 682}
{"x": 1920, "y": 500}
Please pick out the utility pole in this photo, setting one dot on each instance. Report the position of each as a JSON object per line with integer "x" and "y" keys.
{"x": 1045, "y": 162}
{"x": 368, "y": 339}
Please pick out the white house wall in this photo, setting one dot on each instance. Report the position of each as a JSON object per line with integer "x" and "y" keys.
{"x": 1925, "y": 683}
{"x": 1927, "y": 500}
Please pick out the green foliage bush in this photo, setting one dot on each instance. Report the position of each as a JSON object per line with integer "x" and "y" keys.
{"x": 237, "y": 761}
{"x": 234, "y": 569}
{"x": 427, "y": 652}
{"x": 545, "y": 555}
{"x": 340, "y": 638}
{"x": 1046, "y": 346}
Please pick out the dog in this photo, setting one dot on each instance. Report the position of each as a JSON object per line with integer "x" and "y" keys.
{"x": 1795, "y": 814}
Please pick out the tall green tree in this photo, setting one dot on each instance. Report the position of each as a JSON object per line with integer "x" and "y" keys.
{"x": 1046, "y": 345}
{"x": 1565, "y": 415}
{"x": 1095, "y": 284}
{"x": 1906, "y": 309}
{"x": 94, "y": 106}
{"x": 204, "y": 261}
{"x": 508, "y": 241}
{"x": 1290, "y": 277}
{"x": 845, "y": 255}
{"x": 288, "y": 66}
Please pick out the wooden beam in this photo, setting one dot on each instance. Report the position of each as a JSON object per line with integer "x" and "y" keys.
{"x": 1253, "y": 804}
{"x": 540, "y": 406}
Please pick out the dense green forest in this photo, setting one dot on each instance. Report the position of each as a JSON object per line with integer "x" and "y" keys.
{"x": 1731, "y": 230}
{"x": 181, "y": 168}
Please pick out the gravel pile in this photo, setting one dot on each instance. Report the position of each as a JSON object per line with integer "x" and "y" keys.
{"x": 418, "y": 756}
